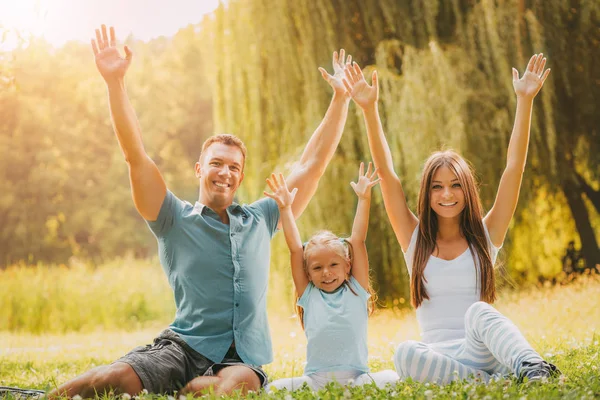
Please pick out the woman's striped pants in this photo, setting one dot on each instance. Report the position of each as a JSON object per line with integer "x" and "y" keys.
{"x": 493, "y": 346}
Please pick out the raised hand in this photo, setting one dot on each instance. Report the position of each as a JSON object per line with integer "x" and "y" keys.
{"x": 363, "y": 94}
{"x": 108, "y": 60}
{"x": 365, "y": 181}
{"x": 281, "y": 193}
{"x": 339, "y": 66}
{"x": 532, "y": 80}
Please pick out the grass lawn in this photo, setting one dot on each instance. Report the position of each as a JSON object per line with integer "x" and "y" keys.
{"x": 561, "y": 322}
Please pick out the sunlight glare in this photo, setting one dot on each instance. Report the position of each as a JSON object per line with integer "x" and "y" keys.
{"x": 59, "y": 21}
{"x": 20, "y": 20}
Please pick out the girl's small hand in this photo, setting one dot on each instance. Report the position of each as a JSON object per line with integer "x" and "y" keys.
{"x": 365, "y": 182}
{"x": 339, "y": 66}
{"x": 281, "y": 193}
{"x": 363, "y": 94}
{"x": 528, "y": 86}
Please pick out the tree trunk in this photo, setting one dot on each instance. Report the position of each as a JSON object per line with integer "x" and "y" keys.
{"x": 589, "y": 245}
{"x": 593, "y": 195}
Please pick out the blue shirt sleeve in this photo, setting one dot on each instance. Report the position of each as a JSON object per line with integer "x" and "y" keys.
{"x": 358, "y": 289}
{"x": 303, "y": 300}
{"x": 268, "y": 208}
{"x": 170, "y": 208}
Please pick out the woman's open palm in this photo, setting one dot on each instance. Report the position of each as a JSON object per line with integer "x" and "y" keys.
{"x": 533, "y": 79}
{"x": 363, "y": 94}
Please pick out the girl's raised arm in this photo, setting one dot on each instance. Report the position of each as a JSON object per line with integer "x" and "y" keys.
{"x": 365, "y": 96}
{"x": 526, "y": 88}
{"x": 362, "y": 188}
{"x": 285, "y": 199}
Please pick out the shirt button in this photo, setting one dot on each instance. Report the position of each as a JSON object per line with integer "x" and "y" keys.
{"x": 237, "y": 304}
{"x": 232, "y": 234}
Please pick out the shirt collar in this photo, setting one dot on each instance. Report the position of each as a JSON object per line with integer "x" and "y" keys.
{"x": 233, "y": 208}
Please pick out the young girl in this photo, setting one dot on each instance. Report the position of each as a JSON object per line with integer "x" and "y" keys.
{"x": 450, "y": 249}
{"x": 331, "y": 276}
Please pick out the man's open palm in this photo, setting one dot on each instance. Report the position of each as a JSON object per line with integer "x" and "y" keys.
{"x": 108, "y": 60}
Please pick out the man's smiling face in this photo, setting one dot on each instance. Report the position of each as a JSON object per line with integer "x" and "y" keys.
{"x": 220, "y": 173}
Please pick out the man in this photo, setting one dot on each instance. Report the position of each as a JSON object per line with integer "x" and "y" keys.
{"x": 215, "y": 253}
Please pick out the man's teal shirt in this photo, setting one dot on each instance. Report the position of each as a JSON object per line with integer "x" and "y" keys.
{"x": 219, "y": 274}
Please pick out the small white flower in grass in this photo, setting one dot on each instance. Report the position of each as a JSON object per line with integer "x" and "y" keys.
{"x": 594, "y": 367}
{"x": 126, "y": 396}
{"x": 145, "y": 391}
{"x": 350, "y": 381}
{"x": 455, "y": 373}
{"x": 428, "y": 394}
{"x": 488, "y": 397}
{"x": 562, "y": 379}
{"x": 288, "y": 397}
{"x": 170, "y": 398}
{"x": 76, "y": 397}
{"x": 182, "y": 397}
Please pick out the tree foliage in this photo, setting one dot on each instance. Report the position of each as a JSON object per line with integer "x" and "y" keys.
{"x": 65, "y": 189}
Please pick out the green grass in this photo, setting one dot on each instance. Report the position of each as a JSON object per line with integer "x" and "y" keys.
{"x": 580, "y": 380}
{"x": 561, "y": 322}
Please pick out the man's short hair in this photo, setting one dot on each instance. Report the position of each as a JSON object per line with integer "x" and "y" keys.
{"x": 226, "y": 139}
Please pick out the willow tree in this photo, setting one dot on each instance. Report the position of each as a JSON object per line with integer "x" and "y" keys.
{"x": 445, "y": 82}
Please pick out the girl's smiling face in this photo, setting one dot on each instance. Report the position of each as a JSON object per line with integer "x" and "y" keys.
{"x": 326, "y": 269}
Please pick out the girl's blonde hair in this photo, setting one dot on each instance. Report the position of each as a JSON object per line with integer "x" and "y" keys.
{"x": 471, "y": 226}
{"x": 343, "y": 248}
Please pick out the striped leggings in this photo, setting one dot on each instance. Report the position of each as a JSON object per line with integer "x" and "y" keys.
{"x": 493, "y": 346}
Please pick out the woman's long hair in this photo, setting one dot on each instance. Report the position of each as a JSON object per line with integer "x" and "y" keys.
{"x": 343, "y": 248}
{"x": 471, "y": 226}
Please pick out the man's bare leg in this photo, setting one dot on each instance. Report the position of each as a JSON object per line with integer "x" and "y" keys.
{"x": 227, "y": 380}
{"x": 118, "y": 377}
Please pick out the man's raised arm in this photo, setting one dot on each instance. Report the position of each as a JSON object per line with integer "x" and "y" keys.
{"x": 147, "y": 185}
{"x": 324, "y": 140}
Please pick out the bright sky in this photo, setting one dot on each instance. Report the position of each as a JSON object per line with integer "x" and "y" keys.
{"x": 59, "y": 21}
